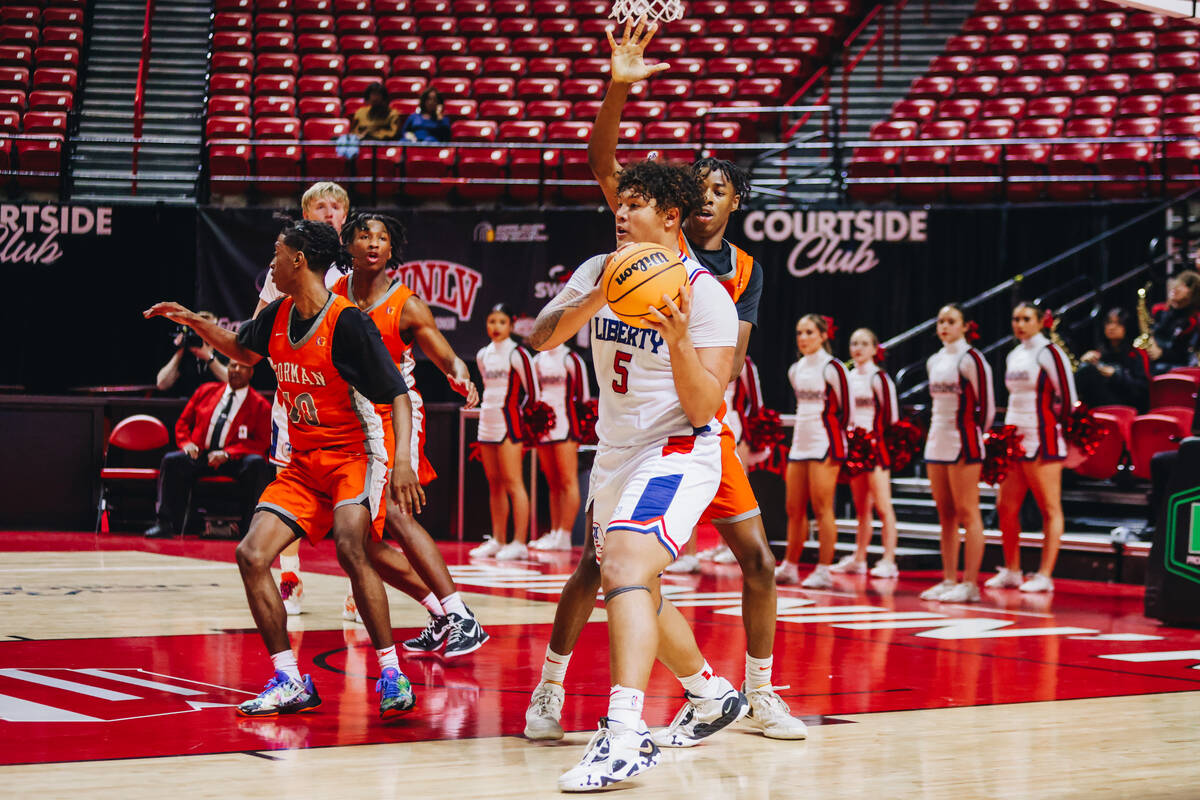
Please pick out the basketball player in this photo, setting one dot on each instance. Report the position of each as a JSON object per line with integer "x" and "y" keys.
{"x": 961, "y": 410}
{"x": 326, "y": 202}
{"x": 373, "y": 243}
{"x": 333, "y": 370}
{"x": 657, "y": 467}
{"x": 735, "y": 511}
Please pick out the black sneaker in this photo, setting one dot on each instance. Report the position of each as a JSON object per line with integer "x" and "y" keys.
{"x": 431, "y": 638}
{"x": 464, "y": 635}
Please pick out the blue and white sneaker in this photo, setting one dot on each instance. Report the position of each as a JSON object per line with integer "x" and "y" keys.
{"x": 282, "y": 695}
{"x": 431, "y": 639}
{"x": 465, "y": 635}
{"x": 700, "y": 718}
{"x": 396, "y": 696}
{"x": 615, "y": 753}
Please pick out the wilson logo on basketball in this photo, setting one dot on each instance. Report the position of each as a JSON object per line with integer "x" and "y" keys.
{"x": 641, "y": 265}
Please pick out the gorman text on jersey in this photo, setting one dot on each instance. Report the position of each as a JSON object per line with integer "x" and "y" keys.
{"x": 294, "y": 373}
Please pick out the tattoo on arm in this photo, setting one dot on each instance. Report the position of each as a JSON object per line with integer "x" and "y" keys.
{"x": 547, "y": 321}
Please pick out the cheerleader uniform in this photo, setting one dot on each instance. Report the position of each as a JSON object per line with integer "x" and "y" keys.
{"x": 873, "y": 406}
{"x": 508, "y": 382}
{"x": 822, "y": 408}
{"x": 960, "y": 387}
{"x": 562, "y": 383}
{"x": 1041, "y": 393}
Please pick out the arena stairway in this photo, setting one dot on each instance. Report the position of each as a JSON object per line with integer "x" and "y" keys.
{"x": 175, "y": 88}
{"x": 921, "y": 41}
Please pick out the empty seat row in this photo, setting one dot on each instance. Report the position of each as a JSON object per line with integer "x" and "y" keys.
{"x": 1030, "y": 86}
{"x": 1066, "y": 22}
{"x": 538, "y": 8}
{"x": 1066, "y": 43}
{"x": 1179, "y": 61}
{"x": 1062, "y": 106}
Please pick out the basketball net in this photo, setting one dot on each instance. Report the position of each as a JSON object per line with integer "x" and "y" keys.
{"x": 652, "y": 10}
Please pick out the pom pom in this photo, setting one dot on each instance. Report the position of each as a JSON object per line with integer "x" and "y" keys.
{"x": 764, "y": 430}
{"x": 903, "y": 443}
{"x": 586, "y": 411}
{"x": 1082, "y": 430}
{"x": 1001, "y": 449}
{"x": 860, "y": 452}
{"x": 539, "y": 418}
{"x": 972, "y": 334}
{"x": 475, "y": 452}
{"x": 880, "y": 355}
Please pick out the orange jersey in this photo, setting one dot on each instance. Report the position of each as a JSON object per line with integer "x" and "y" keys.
{"x": 385, "y": 313}
{"x": 324, "y": 411}
{"x": 736, "y": 281}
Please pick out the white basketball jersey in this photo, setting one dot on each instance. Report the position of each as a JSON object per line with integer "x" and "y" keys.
{"x": 639, "y": 405}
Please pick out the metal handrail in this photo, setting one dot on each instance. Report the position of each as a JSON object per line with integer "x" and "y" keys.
{"x": 139, "y": 92}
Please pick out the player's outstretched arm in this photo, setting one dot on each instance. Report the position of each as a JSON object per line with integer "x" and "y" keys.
{"x": 417, "y": 317}
{"x": 405, "y": 487}
{"x": 564, "y": 316}
{"x": 628, "y": 67}
{"x": 221, "y": 339}
{"x": 700, "y": 374}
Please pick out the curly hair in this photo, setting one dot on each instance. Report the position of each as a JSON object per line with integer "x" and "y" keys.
{"x": 668, "y": 184}
{"x": 736, "y": 176}
{"x": 317, "y": 240}
{"x": 395, "y": 232}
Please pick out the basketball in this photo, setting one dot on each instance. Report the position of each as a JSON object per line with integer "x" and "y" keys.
{"x": 639, "y": 278}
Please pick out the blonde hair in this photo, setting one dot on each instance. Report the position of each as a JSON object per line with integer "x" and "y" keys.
{"x": 324, "y": 189}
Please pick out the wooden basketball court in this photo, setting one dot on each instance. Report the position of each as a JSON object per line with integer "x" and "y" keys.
{"x": 121, "y": 659}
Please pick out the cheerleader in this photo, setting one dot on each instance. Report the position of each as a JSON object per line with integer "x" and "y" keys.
{"x": 960, "y": 390}
{"x": 873, "y": 408}
{"x": 818, "y": 448}
{"x": 562, "y": 383}
{"x": 508, "y": 382}
{"x": 1041, "y": 394}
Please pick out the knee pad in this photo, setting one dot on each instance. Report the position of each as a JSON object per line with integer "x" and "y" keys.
{"x": 608, "y": 596}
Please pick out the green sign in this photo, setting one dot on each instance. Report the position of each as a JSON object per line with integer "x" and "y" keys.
{"x": 1182, "y": 551}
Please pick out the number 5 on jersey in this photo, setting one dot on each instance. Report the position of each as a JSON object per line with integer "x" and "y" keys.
{"x": 621, "y": 384}
{"x": 303, "y": 410}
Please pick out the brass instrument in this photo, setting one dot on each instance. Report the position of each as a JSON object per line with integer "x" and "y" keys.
{"x": 1056, "y": 339}
{"x": 1145, "y": 321}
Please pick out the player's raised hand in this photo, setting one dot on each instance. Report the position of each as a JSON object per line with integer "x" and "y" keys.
{"x": 406, "y": 489}
{"x": 628, "y": 55}
{"x": 673, "y": 328}
{"x": 172, "y": 311}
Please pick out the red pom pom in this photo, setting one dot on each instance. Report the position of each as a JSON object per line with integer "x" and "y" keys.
{"x": 1082, "y": 430}
{"x": 587, "y": 412}
{"x": 539, "y": 418}
{"x": 972, "y": 334}
{"x": 1001, "y": 449}
{"x": 475, "y": 452}
{"x": 860, "y": 452}
{"x": 903, "y": 442}
{"x": 764, "y": 429}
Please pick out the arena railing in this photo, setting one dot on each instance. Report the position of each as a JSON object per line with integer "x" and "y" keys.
{"x": 139, "y": 92}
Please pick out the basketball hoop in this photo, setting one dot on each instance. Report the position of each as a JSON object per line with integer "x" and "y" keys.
{"x": 652, "y": 10}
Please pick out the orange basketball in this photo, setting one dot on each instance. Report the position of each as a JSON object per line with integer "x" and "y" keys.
{"x": 638, "y": 280}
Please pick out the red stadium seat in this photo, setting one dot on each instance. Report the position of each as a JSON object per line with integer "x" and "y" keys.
{"x": 665, "y": 46}
{"x": 727, "y": 27}
{"x": 1092, "y": 42}
{"x": 357, "y": 43}
{"x": 549, "y": 110}
{"x": 1129, "y": 159}
{"x": 271, "y": 42}
{"x": 230, "y": 83}
{"x": 413, "y": 65}
{"x": 754, "y": 46}
{"x": 39, "y": 155}
{"x": 479, "y": 26}
{"x": 1110, "y": 83}
{"x": 52, "y": 122}
{"x": 1132, "y": 41}
{"x": 959, "y": 108}
{"x": 280, "y": 63}
{"x": 14, "y": 78}
{"x": 274, "y": 85}
{"x": 460, "y": 66}
{"x": 47, "y": 78}
{"x": 1151, "y": 434}
{"x": 1034, "y": 6}
{"x": 58, "y": 57}
{"x": 232, "y": 61}
{"x": 452, "y": 87}
{"x": 316, "y": 43}
{"x": 458, "y": 107}
{"x": 397, "y": 45}
{"x": 506, "y": 66}
{"x": 522, "y": 131}
{"x": 1178, "y": 39}
{"x": 716, "y": 89}
{"x": 952, "y": 65}
{"x": 592, "y": 68}
{"x": 538, "y": 88}
{"x": 1030, "y": 159}
{"x": 493, "y": 88}
{"x": 688, "y": 109}
{"x": 280, "y": 6}
{"x": 278, "y": 23}
{"x": 480, "y": 171}
{"x": 1112, "y": 21}
{"x": 1140, "y": 105}
{"x": 502, "y": 110}
{"x": 511, "y": 8}
{"x": 930, "y": 162}
{"x": 1024, "y": 23}
{"x": 984, "y": 23}
{"x": 1064, "y": 84}
{"x": 1171, "y": 389}
{"x": 518, "y": 26}
{"x": 471, "y": 130}
{"x": 547, "y": 67}
{"x": 1002, "y": 108}
{"x": 50, "y": 100}
{"x": 1077, "y": 158}
{"x": 16, "y": 56}
{"x": 274, "y": 107}
{"x": 1161, "y": 82}
{"x": 576, "y": 47}
{"x": 1098, "y": 105}
{"x": 997, "y": 64}
{"x": 931, "y": 87}
{"x": 967, "y": 45}
{"x": 786, "y": 69}
{"x": 1179, "y": 105}
{"x": 714, "y": 47}
{"x": 1104, "y": 461}
{"x": 323, "y": 161}
{"x": 531, "y": 46}
{"x": 764, "y": 91}
{"x": 879, "y": 162}
{"x": 1012, "y": 44}
{"x": 1068, "y": 23}
{"x": 1020, "y": 86}
{"x": 317, "y": 23}
{"x": 730, "y": 67}
{"x": 1146, "y": 22}
{"x": 1050, "y": 43}
{"x": 918, "y": 110}
{"x": 1050, "y": 106}
{"x": 994, "y": 6}
{"x": 10, "y": 123}
{"x": 1179, "y": 61}
{"x": 1044, "y": 64}
{"x": 222, "y": 21}
{"x": 977, "y": 86}
{"x": 232, "y": 40}
{"x": 310, "y": 107}
{"x": 319, "y": 85}
{"x": 815, "y": 26}
{"x": 313, "y": 6}
{"x": 428, "y": 26}
{"x": 333, "y": 64}
{"x": 591, "y": 88}
{"x": 980, "y": 160}
{"x": 1132, "y": 63}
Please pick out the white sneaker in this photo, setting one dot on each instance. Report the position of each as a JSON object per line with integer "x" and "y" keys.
{"x": 684, "y": 565}
{"x": 488, "y": 549}
{"x": 936, "y": 592}
{"x": 1004, "y": 579}
{"x": 1038, "y": 583}
{"x": 554, "y": 540}
{"x": 850, "y": 566}
{"x": 726, "y": 556}
{"x": 885, "y": 569}
{"x": 615, "y": 753}
{"x": 291, "y": 591}
{"x": 771, "y": 715}
{"x": 350, "y": 610}
{"x": 787, "y": 573}
{"x": 710, "y": 553}
{"x": 961, "y": 593}
{"x": 513, "y": 551}
{"x": 544, "y": 715}
{"x": 702, "y": 717}
{"x": 819, "y": 578}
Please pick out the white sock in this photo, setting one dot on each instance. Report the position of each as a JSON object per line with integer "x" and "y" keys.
{"x": 554, "y": 668}
{"x": 290, "y": 564}
{"x": 702, "y": 684}
{"x": 432, "y": 605}
{"x": 387, "y": 658}
{"x": 285, "y": 662}
{"x": 625, "y": 706}
{"x": 758, "y": 672}
{"x": 453, "y": 604}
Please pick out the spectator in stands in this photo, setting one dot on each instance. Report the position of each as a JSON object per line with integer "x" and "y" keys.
{"x": 224, "y": 429}
{"x": 429, "y": 124}
{"x": 193, "y": 361}
{"x": 1117, "y": 374}
{"x": 1176, "y": 323}
{"x": 376, "y": 120}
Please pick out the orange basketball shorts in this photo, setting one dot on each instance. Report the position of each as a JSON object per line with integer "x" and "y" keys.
{"x": 315, "y": 482}
{"x": 416, "y": 446}
{"x": 735, "y": 500}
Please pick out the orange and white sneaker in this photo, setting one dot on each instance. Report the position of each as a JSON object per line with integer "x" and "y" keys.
{"x": 291, "y": 591}
{"x": 350, "y": 610}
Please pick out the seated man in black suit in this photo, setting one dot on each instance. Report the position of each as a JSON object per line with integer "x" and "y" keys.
{"x": 225, "y": 429}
